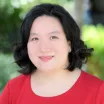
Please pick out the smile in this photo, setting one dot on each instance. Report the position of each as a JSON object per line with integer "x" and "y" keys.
{"x": 46, "y": 58}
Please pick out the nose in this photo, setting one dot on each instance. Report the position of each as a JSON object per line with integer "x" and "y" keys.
{"x": 45, "y": 46}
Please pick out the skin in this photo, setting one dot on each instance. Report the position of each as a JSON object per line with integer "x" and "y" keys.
{"x": 47, "y": 38}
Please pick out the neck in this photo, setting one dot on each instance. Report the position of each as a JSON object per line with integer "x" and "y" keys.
{"x": 44, "y": 77}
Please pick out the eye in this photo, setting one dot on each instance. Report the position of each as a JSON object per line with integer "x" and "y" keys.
{"x": 34, "y": 39}
{"x": 54, "y": 37}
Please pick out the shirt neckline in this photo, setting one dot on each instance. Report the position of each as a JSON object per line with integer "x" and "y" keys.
{"x": 69, "y": 91}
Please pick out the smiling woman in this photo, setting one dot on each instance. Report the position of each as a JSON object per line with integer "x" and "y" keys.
{"x": 51, "y": 55}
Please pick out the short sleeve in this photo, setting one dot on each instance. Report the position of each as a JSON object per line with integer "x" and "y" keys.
{"x": 5, "y": 95}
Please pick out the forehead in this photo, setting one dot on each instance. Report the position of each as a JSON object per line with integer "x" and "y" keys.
{"x": 45, "y": 24}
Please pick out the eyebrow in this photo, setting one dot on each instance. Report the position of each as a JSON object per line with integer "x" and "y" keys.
{"x": 56, "y": 31}
{"x": 52, "y": 32}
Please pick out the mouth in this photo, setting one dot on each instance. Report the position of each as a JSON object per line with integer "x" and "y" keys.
{"x": 46, "y": 58}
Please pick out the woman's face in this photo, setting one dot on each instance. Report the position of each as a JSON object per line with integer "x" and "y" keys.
{"x": 47, "y": 45}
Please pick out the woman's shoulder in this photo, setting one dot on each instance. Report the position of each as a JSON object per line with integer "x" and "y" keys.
{"x": 14, "y": 87}
{"x": 91, "y": 80}
{"x": 93, "y": 87}
{"x": 18, "y": 81}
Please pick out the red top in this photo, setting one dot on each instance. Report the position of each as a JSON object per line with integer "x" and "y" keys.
{"x": 87, "y": 90}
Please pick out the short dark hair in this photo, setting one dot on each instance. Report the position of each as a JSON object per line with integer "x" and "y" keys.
{"x": 79, "y": 52}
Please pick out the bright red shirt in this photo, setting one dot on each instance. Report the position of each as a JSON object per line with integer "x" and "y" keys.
{"x": 87, "y": 90}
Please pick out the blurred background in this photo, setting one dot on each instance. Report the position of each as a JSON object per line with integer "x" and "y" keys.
{"x": 89, "y": 15}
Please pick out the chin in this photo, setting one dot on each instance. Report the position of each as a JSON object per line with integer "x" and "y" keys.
{"x": 46, "y": 69}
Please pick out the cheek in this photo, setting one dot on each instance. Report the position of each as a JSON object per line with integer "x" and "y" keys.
{"x": 31, "y": 50}
{"x": 62, "y": 48}
{"x": 32, "y": 53}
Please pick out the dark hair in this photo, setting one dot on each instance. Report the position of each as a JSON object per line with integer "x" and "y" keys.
{"x": 79, "y": 52}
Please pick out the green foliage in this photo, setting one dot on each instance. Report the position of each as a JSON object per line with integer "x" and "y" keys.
{"x": 9, "y": 25}
{"x": 94, "y": 37}
{"x": 7, "y": 69}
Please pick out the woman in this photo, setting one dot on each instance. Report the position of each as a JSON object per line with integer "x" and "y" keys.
{"x": 51, "y": 54}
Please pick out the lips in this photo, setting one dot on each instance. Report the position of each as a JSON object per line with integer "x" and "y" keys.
{"x": 46, "y": 58}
